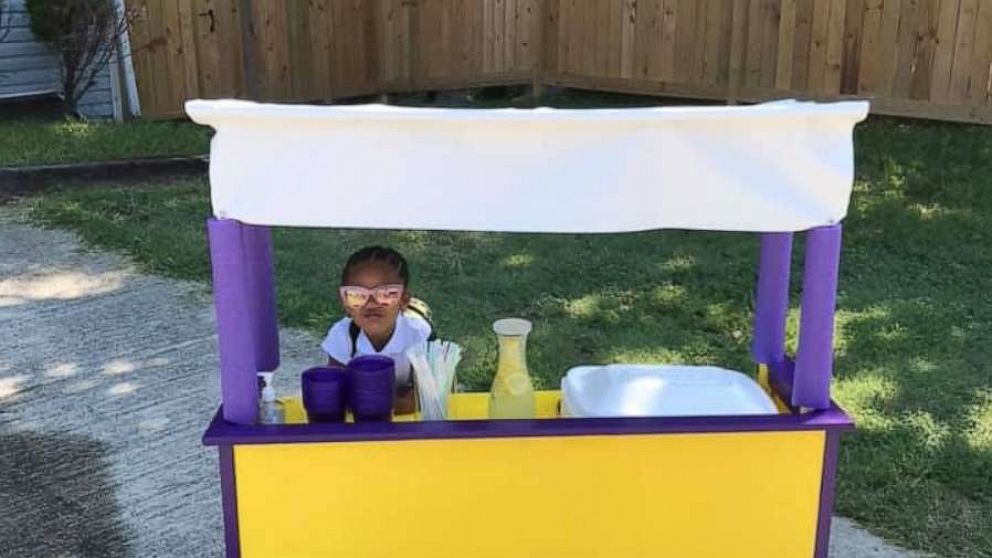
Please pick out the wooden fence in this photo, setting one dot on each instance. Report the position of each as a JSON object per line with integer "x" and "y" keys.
{"x": 322, "y": 49}
{"x": 926, "y": 58}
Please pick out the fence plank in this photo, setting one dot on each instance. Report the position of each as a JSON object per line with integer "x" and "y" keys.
{"x": 301, "y": 79}
{"x": 963, "y": 46}
{"x": 643, "y": 14}
{"x": 628, "y": 18}
{"x": 145, "y": 67}
{"x": 851, "y": 57}
{"x": 430, "y": 62}
{"x": 907, "y": 45}
{"x": 685, "y": 40}
{"x": 566, "y": 26}
{"x": 512, "y": 33}
{"x": 474, "y": 48}
{"x": 928, "y": 22}
{"x": 698, "y": 51}
{"x": 818, "y": 45}
{"x": 602, "y": 29}
{"x": 528, "y": 14}
{"x": 499, "y": 35}
{"x": 940, "y": 80}
{"x": 175, "y": 87}
{"x": 888, "y": 46}
{"x": 370, "y": 46}
{"x": 230, "y": 43}
{"x": 981, "y": 57}
{"x": 389, "y": 18}
{"x": 576, "y": 33}
{"x": 755, "y": 34}
{"x": 835, "y": 49}
{"x": 868, "y": 72}
{"x": 271, "y": 21}
{"x": 614, "y": 37}
{"x": 187, "y": 48}
{"x": 206, "y": 18}
{"x": 460, "y": 32}
{"x": 341, "y": 57}
{"x": 771, "y": 12}
{"x": 665, "y": 16}
{"x": 549, "y": 37}
{"x": 803, "y": 42}
{"x": 786, "y": 45}
{"x": 738, "y": 49}
{"x": 588, "y": 34}
{"x": 660, "y": 39}
{"x": 710, "y": 20}
{"x": 726, "y": 37}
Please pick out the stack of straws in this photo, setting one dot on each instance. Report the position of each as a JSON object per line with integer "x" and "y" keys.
{"x": 434, "y": 365}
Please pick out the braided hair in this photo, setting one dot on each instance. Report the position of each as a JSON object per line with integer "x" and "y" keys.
{"x": 378, "y": 254}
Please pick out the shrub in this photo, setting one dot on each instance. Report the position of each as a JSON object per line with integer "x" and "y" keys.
{"x": 83, "y": 34}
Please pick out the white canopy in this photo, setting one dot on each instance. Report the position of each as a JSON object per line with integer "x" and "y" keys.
{"x": 776, "y": 167}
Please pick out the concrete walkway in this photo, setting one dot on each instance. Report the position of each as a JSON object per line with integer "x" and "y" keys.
{"x": 107, "y": 379}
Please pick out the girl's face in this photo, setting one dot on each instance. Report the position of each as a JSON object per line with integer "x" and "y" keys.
{"x": 375, "y": 318}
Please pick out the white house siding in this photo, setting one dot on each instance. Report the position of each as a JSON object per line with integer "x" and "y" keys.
{"x": 29, "y": 67}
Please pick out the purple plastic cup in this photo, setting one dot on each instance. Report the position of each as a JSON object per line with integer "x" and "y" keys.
{"x": 325, "y": 394}
{"x": 371, "y": 381}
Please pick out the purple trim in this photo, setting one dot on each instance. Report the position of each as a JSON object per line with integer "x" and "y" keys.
{"x": 262, "y": 295}
{"x": 815, "y": 354}
{"x": 827, "y": 488}
{"x": 774, "y": 267}
{"x": 235, "y": 335}
{"x": 222, "y": 432}
{"x": 780, "y": 375}
{"x": 229, "y": 497}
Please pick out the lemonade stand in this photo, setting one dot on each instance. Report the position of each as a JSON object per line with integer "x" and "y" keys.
{"x": 708, "y": 486}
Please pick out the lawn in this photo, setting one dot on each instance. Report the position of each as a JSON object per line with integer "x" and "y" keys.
{"x": 914, "y": 350}
{"x": 37, "y": 142}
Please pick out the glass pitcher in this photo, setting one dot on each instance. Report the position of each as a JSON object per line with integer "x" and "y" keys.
{"x": 512, "y": 394}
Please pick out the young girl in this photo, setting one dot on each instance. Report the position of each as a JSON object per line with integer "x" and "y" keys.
{"x": 375, "y": 292}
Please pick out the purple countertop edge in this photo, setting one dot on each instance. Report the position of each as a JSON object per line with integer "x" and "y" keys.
{"x": 220, "y": 432}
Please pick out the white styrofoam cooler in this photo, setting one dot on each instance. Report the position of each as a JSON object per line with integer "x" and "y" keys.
{"x": 623, "y": 390}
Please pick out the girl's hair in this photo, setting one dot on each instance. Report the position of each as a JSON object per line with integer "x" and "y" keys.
{"x": 378, "y": 254}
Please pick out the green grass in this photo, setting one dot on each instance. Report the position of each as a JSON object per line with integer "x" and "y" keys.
{"x": 914, "y": 359}
{"x": 33, "y": 142}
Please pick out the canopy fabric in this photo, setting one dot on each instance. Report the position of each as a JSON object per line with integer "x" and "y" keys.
{"x": 775, "y": 167}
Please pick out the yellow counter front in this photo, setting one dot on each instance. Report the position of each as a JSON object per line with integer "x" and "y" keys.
{"x": 627, "y": 487}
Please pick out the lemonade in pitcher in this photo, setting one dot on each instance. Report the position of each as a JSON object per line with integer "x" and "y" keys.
{"x": 512, "y": 394}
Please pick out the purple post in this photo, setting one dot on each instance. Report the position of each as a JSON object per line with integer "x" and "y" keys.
{"x": 258, "y": 250}
{"x": 235, "y": 323}
{"x": 815, "y": 354}
{"x": 772, "y": 310}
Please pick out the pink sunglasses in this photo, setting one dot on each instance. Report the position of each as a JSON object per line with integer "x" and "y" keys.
{"x": 356, "y": 297}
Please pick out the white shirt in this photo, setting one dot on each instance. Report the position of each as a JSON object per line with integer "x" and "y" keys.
{"x": 409, "y": 332}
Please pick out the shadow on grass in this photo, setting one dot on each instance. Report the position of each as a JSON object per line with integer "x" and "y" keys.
{"x": 915, "y": 331}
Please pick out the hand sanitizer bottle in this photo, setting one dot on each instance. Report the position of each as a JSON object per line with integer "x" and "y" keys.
{"x": 270, "y": 409}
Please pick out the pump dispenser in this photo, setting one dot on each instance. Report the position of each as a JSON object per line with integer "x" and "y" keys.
{"x": 270, "y": 409}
